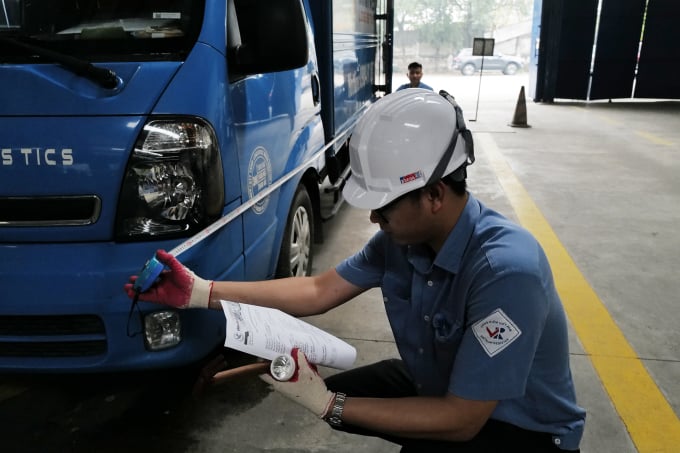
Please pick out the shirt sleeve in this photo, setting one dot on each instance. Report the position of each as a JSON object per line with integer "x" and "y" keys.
{"x": 366, "y": 268}
{"x": 505, "y": 321}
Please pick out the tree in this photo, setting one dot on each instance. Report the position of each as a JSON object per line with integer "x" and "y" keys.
{"x": 433, "y": 22}
{"x": 449, "y": 25}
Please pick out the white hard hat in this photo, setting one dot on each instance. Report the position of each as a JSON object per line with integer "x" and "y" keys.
{"x": 398, "y": 144}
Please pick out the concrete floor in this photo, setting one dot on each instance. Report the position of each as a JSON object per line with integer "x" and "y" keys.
{"x": 605, "y": 178}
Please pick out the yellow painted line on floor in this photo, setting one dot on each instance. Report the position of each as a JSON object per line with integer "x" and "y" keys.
{"x": 646, "y": 135}
{"x": 610, "y": 120}
{"x": 654, "y": 139}
{"x": 649, "y": 418}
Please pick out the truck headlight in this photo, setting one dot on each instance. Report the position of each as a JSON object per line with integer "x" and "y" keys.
{"x": 173, "y": 183}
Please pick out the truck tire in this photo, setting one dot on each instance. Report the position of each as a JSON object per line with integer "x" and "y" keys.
{"x": 296, "y": 256}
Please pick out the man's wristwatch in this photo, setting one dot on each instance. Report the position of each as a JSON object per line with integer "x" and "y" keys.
{"x": 334, "y": 418}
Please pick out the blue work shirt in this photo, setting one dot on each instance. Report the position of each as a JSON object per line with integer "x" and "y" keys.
{"x": 481, "y": 319}
{"x": 420, "y": 85}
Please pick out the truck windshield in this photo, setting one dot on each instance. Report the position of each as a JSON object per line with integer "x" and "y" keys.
{"x": 101, "y": 30}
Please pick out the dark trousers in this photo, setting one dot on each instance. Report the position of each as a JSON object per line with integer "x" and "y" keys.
{"x": 389, "y": 379}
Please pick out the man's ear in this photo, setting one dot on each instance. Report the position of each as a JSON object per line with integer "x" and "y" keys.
{"x": 435, "y": 194}
{"x": 436, "y": 191}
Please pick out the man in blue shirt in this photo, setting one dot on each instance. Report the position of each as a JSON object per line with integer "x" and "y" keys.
{"x": 470, "y": 297}
{"x": 414, "y": 74}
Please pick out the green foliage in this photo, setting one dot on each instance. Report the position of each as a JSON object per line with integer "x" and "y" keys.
{"x": 449, "y": 25}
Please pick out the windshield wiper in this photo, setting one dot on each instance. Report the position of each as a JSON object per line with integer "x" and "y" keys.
{"x": 106, "y": 78}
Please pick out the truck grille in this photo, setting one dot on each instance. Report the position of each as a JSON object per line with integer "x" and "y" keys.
{"x": 49, "y": 211}
{"x": 52, "y": 336}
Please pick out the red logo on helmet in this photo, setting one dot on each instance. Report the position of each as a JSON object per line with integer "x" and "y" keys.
{"x": 411, "y": 177}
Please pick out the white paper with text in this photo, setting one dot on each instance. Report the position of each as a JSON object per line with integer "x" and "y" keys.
{"x": 268, "y": 333}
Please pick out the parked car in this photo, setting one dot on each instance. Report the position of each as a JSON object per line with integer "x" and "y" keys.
{"x": 468, "y": 64}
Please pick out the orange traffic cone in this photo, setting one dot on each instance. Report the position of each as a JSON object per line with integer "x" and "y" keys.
{"x": 520, "y": 118}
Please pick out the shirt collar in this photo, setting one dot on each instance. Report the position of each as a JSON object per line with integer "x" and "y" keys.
{"x": 451, "y": 253}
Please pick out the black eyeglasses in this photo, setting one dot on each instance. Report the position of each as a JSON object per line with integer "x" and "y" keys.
{"x": 380, "y": 212}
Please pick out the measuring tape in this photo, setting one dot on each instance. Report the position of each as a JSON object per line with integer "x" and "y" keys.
{"x": 153, "y": 268}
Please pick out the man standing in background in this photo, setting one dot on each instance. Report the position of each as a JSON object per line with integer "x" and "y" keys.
{"x": 414, "y": 74}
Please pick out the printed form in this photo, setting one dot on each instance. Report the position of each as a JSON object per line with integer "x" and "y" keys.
{"x": 268, "y": 333}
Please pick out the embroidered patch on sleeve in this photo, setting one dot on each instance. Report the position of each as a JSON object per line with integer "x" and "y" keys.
{"x": 496, "y": 332}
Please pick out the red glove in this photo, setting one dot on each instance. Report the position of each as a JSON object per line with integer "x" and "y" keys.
{"x": 177, "y": 287}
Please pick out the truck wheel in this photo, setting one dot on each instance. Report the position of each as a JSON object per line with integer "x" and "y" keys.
{"x": 468, "y": 69}
{"x": 295, "y": 258}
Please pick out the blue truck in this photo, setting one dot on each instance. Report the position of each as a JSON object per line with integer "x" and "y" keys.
{"x": 131, "y": 126}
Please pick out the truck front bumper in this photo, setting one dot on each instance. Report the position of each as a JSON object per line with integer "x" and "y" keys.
{"x": 62, "y": 308}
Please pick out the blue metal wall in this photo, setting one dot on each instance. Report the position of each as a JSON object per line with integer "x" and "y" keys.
{"x": 565, "y": 68}
{"x": 660, "y": 54}
{"x": 618, "y": 40}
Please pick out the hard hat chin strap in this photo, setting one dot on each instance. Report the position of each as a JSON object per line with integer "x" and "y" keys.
{"x": 460, "y": 173}
{"x": 438, "y": 171}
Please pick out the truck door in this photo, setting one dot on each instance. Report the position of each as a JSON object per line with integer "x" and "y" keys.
{"x": 273, "y": 71}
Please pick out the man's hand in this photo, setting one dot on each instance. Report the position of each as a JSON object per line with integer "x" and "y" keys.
{"x": 306, "y": 387}
{"x": 177, "y": 287}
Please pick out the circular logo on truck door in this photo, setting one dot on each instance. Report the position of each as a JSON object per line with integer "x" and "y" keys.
{"x": 259, "y": 177}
